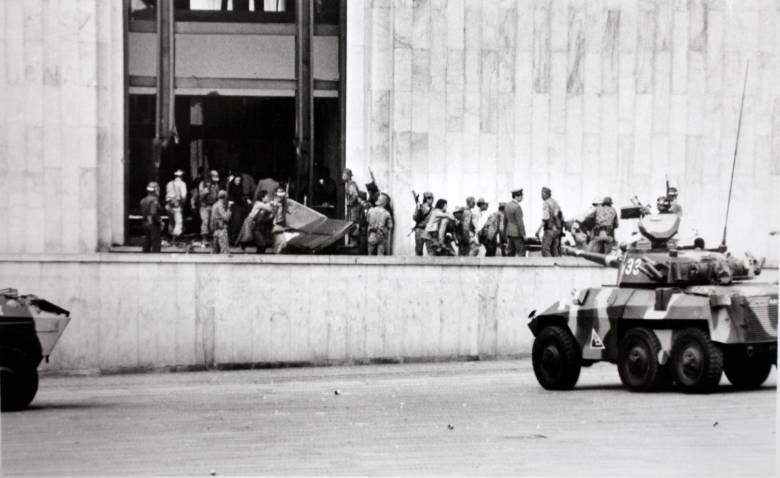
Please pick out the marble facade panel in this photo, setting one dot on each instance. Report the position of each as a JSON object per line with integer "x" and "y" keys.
{"x": 541, "y": 58}
{"x": 576, "y": 52}
{"x": 610, "y": 53}
{"x": 485, "y": 185}
{"x": 661, "y": 92}
{"x": 659, "y": 156}
{"x": 775, "y": 163}
{"x": 697, "y": 26}
{"x": 558, "y": 78}
{"x": 574, "y": 134}
{"x": 402, "y": 16}
{"x": 628, "y": 27}
{"x": 559, "y": 23}
{"x": 714, "y": 58}
{"x": 645, "y": 52}
{"x": 626, "y": 94}
{"x": 696, "y": 89}
{"x": 525, "y": 14}
{"x": 490, "y": 24}
{"x": 489, "y": 97}
{"x": 523, "y": 92}
{"x": 643, "y": 133}
{"x": 540, "y": 129}
{"x": 438, "y": 50}
{"x": 592, "y": 93}
{"x": 680, "y": 52}
{"x": 595, "y": 25}
{"x": 455, "y": 24}
{"x": 421, "y": 24}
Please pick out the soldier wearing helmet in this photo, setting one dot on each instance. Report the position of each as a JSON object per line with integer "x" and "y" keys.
{"x": 380, "y": 223}
{"x": 150, "y": 210}
{"x": 674, "y": 206}
{"x": 663, "y": 205}
{"x": 606, "y": 221}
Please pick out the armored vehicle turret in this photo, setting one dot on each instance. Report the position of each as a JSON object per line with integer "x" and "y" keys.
{"x": 676, "y": 314}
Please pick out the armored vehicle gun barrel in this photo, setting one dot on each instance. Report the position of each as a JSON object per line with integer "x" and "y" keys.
{"x": 608, "y": 260}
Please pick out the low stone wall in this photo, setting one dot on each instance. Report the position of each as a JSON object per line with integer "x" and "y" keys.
{"x": 133, "y": 311}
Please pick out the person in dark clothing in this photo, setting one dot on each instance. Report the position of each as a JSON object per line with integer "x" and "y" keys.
{"x": 150, "y": 210}
{"x": 239, "y": 209}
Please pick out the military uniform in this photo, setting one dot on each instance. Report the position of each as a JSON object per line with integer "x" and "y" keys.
{"x": 491, "y": 232}
{"x": 379, "y": 225}
{"x": 468, "y": 245}
{"x": 420, "y": 218}
{"x": 606, "y": 220}
{"x": 150, "y": 210}
{"x": 220, "y": 216}
{"x": 552, "y": 220}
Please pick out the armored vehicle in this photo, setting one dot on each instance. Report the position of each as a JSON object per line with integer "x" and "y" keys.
{"x": 675, "y": 315}
{"x": 29, "y": 329}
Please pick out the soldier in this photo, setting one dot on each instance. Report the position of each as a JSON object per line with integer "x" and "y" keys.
{"x": 675, "y": 207}
{"x": 606, "y": 220}
{"x": 436, "y": 230}
{"x": 352, "y": 203}
{"x": 420, "y": 217}
{"x": 663, "y": 205}
{"x": 492, "y": 231}
{"x": 552, "y": 224}
{"x": 150, "y": 210}
{"x": 205, "y": 200}
{"x": 175, "y": 197}
{"x": 379, "y": 226}
{"x": 515, "y": 228}
{"x": 220, "y": 216}
{"x": 469, "y": 246}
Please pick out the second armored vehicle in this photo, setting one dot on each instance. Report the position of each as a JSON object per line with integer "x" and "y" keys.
{"x": 29, "y": 329}
{"x": 682, "y": 316}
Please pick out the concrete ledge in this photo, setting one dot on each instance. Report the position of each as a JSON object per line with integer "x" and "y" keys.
{"x": 173, "y": 258}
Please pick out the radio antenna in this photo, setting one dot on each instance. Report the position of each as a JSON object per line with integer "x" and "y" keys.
{"x": 734, "y": 162}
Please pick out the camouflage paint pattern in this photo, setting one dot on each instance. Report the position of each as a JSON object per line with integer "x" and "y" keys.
{"x": 740, "y": 313}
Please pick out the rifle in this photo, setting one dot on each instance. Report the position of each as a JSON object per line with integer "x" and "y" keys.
{"x": 667, "y": 184}
{"x": 416, "y": 206}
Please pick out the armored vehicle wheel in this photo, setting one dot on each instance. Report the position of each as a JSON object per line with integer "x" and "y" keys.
{"x": 638, "y": 360}
{"x": 747, "y": 371}
{"x": 696, "y": 362}
{"x": 18, "y": 379}
{"x": 556, "y": 359}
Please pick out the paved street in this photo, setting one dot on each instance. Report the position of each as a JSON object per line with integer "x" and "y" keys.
{"x": 472, "y": 418}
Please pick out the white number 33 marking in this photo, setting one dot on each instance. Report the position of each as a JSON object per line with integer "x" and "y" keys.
{"x": 632, "y": 266}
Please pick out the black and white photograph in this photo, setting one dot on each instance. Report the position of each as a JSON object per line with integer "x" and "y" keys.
{"x": 532, "y": 238}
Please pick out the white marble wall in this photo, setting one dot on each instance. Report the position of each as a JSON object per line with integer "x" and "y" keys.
{"x": 596, "y": 97}
{"x": 61, "y": 126}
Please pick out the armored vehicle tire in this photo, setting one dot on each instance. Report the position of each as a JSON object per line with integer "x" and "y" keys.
{"x": 18, "y": 379}
{"x": 696, "y": 362}
{"x": 556, "y": 359}
{"x": 638, "y": 360}
{"x": 744, "y": 371}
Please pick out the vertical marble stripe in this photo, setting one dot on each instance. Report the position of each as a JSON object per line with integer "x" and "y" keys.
{"x": 645, "y": 52}
{"x": 576, "y": 52}
{"x": 610, "y": 53}
{"x": 541, "y": 51}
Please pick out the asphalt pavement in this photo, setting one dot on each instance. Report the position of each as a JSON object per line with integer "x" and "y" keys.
{"x": 462, "y": 418}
